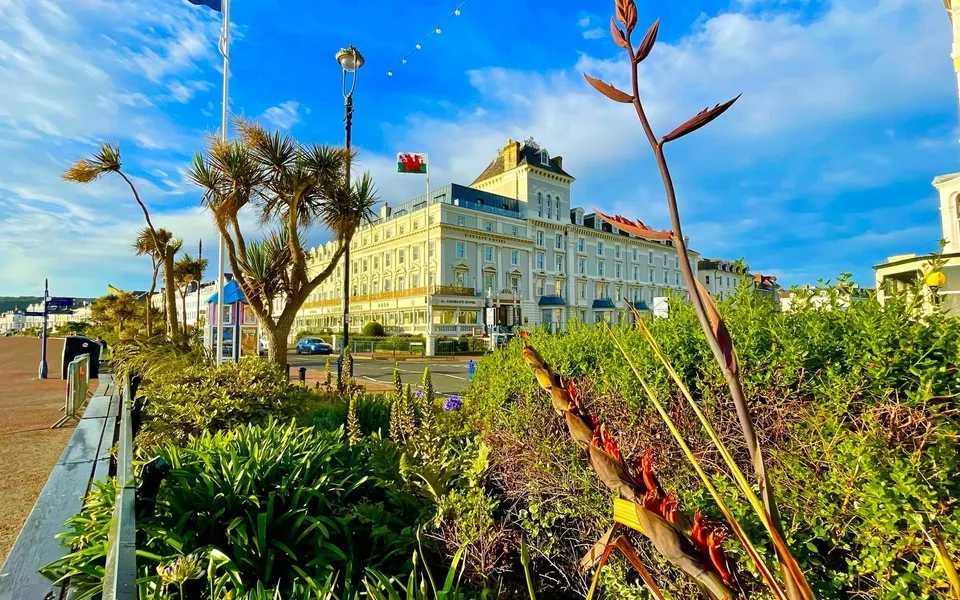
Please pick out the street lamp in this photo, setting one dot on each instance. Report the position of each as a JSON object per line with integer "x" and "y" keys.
{"x": 935, "y": 280}
{"x": 350, "y": 61}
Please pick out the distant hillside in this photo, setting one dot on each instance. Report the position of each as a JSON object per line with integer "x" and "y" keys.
{"x": 9, "y": 302}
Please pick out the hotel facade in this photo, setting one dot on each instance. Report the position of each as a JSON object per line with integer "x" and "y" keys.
{"x": 508, "y": 251}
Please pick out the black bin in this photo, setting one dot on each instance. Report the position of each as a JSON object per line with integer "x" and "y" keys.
{"x": 77, "y": 345}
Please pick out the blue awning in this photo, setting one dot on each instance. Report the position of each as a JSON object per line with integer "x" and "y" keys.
{"x": 640, "y": 305}
{"x": 231, "y": 292}
{"x": 551, "y": 301}
{"x": 604, "y": 303}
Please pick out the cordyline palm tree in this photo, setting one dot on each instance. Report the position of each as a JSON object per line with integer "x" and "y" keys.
{"x": 115, "y": 311}
{"x": 145, "y": 245}
{"x": 107, "y": 160}
{"x": 291, "y": 186}
{"x": 186, "y": 271}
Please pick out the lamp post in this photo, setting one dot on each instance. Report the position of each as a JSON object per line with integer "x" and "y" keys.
{"x": 350, "y": 61}
{"x": 935, "y": 280}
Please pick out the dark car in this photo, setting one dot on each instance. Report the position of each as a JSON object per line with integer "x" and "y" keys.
{"x": 313, "y": 346}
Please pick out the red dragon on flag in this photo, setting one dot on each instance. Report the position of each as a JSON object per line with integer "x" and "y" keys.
{"x": 411, "y": 162}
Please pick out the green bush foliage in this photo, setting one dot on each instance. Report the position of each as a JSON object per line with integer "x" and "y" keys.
{"x": 373, "y": 329}
{"x": 855, "y": 407}
{"x": 207, "y": 398}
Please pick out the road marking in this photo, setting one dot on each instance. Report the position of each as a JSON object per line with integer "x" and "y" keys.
{"x": 454, "y": 376}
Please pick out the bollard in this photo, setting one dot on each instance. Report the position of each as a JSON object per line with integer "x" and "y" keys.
{"x": 288, "y": 371}
{"x": 471, "y": 367}
{"x": 303, "y": 376}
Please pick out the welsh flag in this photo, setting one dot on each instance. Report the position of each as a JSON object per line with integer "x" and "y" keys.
{"x": 411, "y": 162}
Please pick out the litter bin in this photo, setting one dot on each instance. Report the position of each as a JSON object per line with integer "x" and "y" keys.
{"x": 76, "y": 345}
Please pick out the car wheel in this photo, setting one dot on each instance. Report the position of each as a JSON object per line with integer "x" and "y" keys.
{"x": 298, "y": 350}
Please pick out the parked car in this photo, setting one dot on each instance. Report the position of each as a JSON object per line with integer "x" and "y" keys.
{"x": 263, "y": 345}
{"x": 313, "y": 346}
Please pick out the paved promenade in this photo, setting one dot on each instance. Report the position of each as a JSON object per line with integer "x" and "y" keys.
{"x": 28, "y": 447}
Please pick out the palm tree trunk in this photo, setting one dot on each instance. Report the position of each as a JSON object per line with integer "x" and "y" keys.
{"x": 170, "y": 295}
{"x": 153, "y": 287}
{"x": 183, "y": 302}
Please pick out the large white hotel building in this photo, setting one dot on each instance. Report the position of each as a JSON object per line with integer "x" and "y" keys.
{"x": 511, "y": 240}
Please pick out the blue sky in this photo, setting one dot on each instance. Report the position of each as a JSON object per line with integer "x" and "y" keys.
{"x": 849, "y": 110}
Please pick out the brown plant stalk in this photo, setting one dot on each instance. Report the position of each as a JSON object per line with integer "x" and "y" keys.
{"x": 713, "y": 327}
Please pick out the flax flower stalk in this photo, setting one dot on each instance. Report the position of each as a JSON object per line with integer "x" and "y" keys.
{"x": 758, "y": 561}
{"x": 738, "y": 475}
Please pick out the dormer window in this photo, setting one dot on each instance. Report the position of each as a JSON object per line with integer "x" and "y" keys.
{"x": 544, "y": 157}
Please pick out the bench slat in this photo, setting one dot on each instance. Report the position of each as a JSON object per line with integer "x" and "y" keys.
{"x": 84, "y": 443}
{"x": 36, "y": 546}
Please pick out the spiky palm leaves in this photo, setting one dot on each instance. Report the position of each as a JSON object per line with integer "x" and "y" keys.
{"x": 291, "y": 186}
{"x": 107, "y": 160}
{"x": 188, "y": 270}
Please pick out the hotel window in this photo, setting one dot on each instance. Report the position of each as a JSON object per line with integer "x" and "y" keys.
{"x": 487, "y": 283}
{"x": 539, "y": 238}
{"x": 582, "y": 265}
{"x": 515, "y": 284}
{"x": 376, "y": 287}
{"x": 540, "y": 260}
{"x": 616, "y": 252}
{"x": 664, "y": 260}
{"x": 386, "y": 285}
{"x": 617, "y": 269}
{"x": 677, "y": 278}
{"x": 634, "y": 255}
{"x": 488, "y": 253}
{"x": 539, "y": 204}
{"x": 728, "y": 282}
{"x": 431, "y": 248}
{"x": 401, "y": 229}
{"x": 401, "y": 284}
{"x": 416, "y": 224}
{"x": 488, "y": 225}
{"x": 600, "y": 248}
{"x": 666, "y": 278}
{"x": 582, "y": 290}
{"x": 560, "y": 264}
{"x": 636, "y": 273}
{"x": 401, "y": 256}
{"x": 600, "y": 268}
{"x": 539, "y": 287}
{"x": 460, "y": 278}
{"x": 650, "y": 278}
{"x": 461, "y": 250}
{"x": 580, "y": 245}
{"x": 386, "y": 260}
{"x": 707, "y": 277}
{"x": 558, "y": 288}
{"x": 635, "y": 294}
{"x": 376, "y": 237}
{"x": 676, "y": 263}
{"x": 514, "y": 257}
{"x": 650, "y": 258}
{"x": 376, "y": 264}
{"x": 364, "y": 266}
{"x": 461, "y": 221}
{"x": 415, "y": 253}
{"x": 516, "y": 232}
{"x": 583, "y": 316}
{"x": 432, "y": 220}
{"x": 549, "y": 207}
{"x": 415, "y": 280}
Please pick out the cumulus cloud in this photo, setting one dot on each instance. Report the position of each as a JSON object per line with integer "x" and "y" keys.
{"x": 285, "y": 115}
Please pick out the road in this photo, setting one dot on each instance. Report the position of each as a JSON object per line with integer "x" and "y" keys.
{"x": 449, "y": 376}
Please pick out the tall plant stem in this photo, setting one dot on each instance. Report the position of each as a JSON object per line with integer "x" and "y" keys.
{"x": 733, "y": 382}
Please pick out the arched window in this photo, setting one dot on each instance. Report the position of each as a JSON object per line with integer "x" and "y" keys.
{"x": 539, "y": 204}
{"x": 549, "y": 207}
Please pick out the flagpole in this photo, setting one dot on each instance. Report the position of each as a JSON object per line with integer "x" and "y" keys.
{"x": 427, "y": 156}
{"x": 225, "y": 51}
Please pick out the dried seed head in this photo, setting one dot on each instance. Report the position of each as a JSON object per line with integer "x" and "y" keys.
{"x": 609, "y": 91}
{"x": 698, "y": 120}
{"x": 545, "y": 378}
{"x": 580, "y": 431}
{"x": 646, "y": 46}
{"x": 560, "y": 399}
{"x": 618, "y": 36}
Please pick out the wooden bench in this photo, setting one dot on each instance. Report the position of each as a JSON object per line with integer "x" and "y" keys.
{"x": 85, "y": 459}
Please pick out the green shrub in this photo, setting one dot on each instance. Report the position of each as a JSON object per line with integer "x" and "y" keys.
{"x": 854, "y": 407}
{"x": 373, "y": 329}
{"x": 204, "y": 399}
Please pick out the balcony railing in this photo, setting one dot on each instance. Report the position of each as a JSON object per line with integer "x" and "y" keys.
{"x": 453, "y": 290}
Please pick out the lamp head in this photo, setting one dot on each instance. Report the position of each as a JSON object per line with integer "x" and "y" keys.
{"x": 350, "y": 59}
{"x": 935, "y": 280}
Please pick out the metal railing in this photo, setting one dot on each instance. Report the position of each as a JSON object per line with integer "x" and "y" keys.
{"x": 120, "y": 577}
{"x": 78, "y": 384}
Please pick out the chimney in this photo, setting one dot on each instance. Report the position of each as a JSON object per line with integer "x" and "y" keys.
{"x": 385, "y": 211}
{"x": 511, "y": 155}
{"x": 557, "y": 161}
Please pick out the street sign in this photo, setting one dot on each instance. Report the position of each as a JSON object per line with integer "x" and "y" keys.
{"x": 491, "y": 316}
{"x": 60, "y": 303}
{"x": 661, "y": 307}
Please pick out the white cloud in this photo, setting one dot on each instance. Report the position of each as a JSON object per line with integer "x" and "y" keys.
{"x": 594, "y": 34}
{"x": 184, "y": 92}
{"x": 284, "y": 116}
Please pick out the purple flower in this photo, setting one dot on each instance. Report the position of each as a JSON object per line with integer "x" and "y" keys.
{"x": 419, "y": 393}
{"x": 453, "y": 402}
